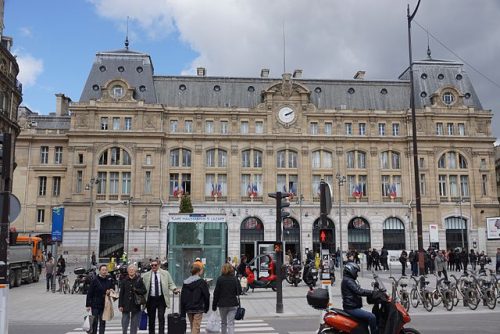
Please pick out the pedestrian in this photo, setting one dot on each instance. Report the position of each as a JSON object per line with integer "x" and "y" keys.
{"x": 227, "y": 290}
{"x": 497, "y": 268}
{"x": 414, "y": 264}
{"x": 49, "y": 274}
{"x": 376, "y": 259}
{"x": 60, "y": 269}
{"x": 440, "y": 261}
{"x": 451, "y": 260}
{"x": 99, "y": 287}
{"x": 158, "y": 284}
{"x": 93, "y": 259}
{"x": 482, "y": 261}
{"x": 195, "y": 298}
{"x": 337, "y": 257}
{"x": 384, "y": 254}
{"x": 473, "y": 259}
{"x": 464, "y": 257}
{"x": 458, "y": 261}
{"x": 403, "y": 259}
{"x": 356, "y": 257}
{"x": 131, "y": 311}
{"x": 242, "y": 266}
{"x": 369, "y": 259}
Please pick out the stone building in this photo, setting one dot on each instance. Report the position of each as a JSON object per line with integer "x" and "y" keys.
{"x": 120, "y": 158}
{"x": 497, "y": 170}
{"x": 10, "y": 89}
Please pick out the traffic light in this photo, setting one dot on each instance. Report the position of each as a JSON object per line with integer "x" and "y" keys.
{"x": 326, "y": 236}
{"x": 281, "y": 203}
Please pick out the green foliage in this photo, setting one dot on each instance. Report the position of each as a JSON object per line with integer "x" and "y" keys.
{"x": 185, "y": 205}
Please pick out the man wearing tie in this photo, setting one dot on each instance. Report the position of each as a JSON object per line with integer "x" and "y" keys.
{"x": 158, "y": 284}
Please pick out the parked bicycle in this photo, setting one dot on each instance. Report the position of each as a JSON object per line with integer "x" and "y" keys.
{"x": 466, "y": 288}
{"x": 486, "y": 286}
{"x": 64, "y": 286}
{"x": 444, "y": 292}
{"x": 401, "y": 295}
{"x": 421, "y": 294}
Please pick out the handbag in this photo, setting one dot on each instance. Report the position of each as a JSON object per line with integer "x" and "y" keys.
{"x": 139, "y": 299}
{"x": 143, "y": 324}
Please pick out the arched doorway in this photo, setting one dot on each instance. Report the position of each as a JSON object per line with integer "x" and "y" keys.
{"x": 252, "y": 229}
{"x": 291, "y": 235}
{"x": 456, "y": 231}
{"x": 358, "y": 234}
{"x": 394, "y": 234}
{"x": 111, "y": 236}
{"x": 317, "y": 225}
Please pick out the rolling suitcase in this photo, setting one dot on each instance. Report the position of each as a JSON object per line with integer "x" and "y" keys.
{"x": 175, "y": 323}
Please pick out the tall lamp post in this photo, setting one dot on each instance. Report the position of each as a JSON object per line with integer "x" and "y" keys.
{"x": 127, "y": 246}
{"x": 459, "y": 202}
{"x": 145, "y": 216}
{"x": 341, "y": 180}
{"x": 90, "y": 186}
{"x": 418, "y": 204}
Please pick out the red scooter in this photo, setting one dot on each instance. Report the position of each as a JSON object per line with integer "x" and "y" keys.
{"x": 391, "y": 316}
{"x": 263, "y": 282}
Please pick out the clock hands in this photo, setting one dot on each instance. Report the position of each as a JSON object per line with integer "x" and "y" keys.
{"x": 291, "y": 112}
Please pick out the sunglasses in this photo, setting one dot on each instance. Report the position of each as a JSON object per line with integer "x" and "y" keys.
{"x": 154, "y": 265}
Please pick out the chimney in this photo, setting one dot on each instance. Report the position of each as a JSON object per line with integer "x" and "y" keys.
{"x": 297, "y": 74}
{"x": 201, "y": 71}
{"x": 264, "y": 73}
{"x": 62, "y": 105}
{"x": 360, "y": 75}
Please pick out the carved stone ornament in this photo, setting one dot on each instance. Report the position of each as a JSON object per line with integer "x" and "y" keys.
{"x": 81, "y": 121}
{"x": 286, "y": 86}
{"x": 149, "y": 122}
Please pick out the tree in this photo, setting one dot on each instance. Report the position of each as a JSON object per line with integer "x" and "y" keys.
{"x": 185, "y": 206}
{"x": 186, "y": 232}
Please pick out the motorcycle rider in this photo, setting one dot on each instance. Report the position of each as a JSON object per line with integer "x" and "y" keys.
{"x": 351, "y": 296}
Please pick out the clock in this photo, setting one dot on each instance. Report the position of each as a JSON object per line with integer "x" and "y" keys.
{"x": 286, "y": 115}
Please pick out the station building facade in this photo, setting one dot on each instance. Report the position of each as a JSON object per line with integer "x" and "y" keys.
{"x": 120, "y": 158}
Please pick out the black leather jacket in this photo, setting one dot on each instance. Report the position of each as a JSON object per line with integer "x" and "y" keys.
{"x": 352, "y": 292}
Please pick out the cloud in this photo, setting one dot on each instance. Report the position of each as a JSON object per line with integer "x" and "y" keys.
{"x": 26, "y": 32}
{"x": 326, "y": 39}
{"x": 30, "y": 69}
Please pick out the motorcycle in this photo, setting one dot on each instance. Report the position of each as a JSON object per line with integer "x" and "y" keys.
{"x": 293, "y": 273}
{"x": 310, "y": 274}
{"x": 82, "y": 280}
{"x": 263, "y": 282}
{"x": 390, "y": 314}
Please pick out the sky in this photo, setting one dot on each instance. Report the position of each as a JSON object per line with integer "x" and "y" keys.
{"x": 55, "y": 41}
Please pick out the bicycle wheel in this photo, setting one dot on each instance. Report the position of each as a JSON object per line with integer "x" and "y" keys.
{"x": 435, "y": 298}
{"x": 454, "y": 294}
{"x": 409, "y": 331}
{"x": 427, "y": 301}
{"x": 491, "y": 299}
{"x": 405, "y": 300}
{"x": 414, "y": 298}
{"x": 472, "y": 299}
{"x": 448, "y": 300}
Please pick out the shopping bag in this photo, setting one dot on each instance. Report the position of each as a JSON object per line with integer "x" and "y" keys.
{"x": 213, "y": 323}
{"x": 143, "y": 324}
{"x": 108, "y": 313}
{"x": 243, "y": 282}
{"x": 88, "y": 320}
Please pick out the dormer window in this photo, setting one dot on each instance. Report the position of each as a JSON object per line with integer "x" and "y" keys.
{"x": 117, "y": 91}
{"x": 448, "y": 98}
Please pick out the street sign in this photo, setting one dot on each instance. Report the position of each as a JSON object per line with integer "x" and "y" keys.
{"x": 15, "y": 206}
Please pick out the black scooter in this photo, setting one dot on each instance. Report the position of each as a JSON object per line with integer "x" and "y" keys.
{"x": 293, "y": 273}
{"x": 310, "y": 273}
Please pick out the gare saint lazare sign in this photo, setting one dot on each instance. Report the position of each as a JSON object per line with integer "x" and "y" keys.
{"x": 196, "y": 218}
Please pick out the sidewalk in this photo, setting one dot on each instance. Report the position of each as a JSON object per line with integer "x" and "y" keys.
{"x": 31, "y": 304}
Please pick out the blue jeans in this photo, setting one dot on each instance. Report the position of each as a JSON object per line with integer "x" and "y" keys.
{"x": 365, "y": 316}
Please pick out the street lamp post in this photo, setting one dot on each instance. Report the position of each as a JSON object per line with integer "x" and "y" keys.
{"x": 145, "y": 216}
{"x": 90, "y": 186}
{"x": 300, "y": 198}
{"x": 341, "y": 179}
{"x": 129, "y": 203}
{"x": 459, "y": 202}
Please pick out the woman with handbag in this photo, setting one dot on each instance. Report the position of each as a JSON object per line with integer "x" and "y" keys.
{"x": 226, "y": 298}
{"x": 131, "y": 299}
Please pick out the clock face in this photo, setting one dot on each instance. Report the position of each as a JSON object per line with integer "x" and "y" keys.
{"x": 286, "y": 115}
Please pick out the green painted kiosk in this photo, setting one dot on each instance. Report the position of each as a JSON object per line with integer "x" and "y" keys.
{"x": 195, "y": 235}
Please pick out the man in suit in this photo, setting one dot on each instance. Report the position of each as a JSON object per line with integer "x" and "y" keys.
{"x": 158, "y": 284}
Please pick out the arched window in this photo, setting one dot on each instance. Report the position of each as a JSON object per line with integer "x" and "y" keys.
{"x": 291, "y": 235}
{"x": 251, "y": 230}
{"x": 321, "y": 159}
{"x": 358, "y": 234}
{"x": 114, "y": 184}
{"x": 456, "y": 233}
{"x": 180, "y": 157}
{"x": 216, "y": 158}
{"x": 453, "y": 178}
{"x": 394, "y": 234}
